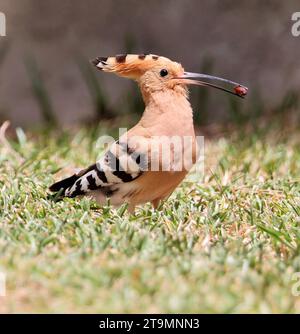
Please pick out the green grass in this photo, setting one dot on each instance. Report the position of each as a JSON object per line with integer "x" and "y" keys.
{"x": 228, "y": 242}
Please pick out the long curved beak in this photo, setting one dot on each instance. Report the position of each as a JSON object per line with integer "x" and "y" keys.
{"x": 197, "y": 79}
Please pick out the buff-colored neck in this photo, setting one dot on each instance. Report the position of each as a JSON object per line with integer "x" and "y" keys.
{"x": 169, "y": 110}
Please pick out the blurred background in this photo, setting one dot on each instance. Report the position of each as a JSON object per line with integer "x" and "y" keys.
{"x": 46, "y": 77}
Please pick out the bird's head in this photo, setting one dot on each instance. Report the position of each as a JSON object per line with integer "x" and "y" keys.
{"x": 156, "y": 73}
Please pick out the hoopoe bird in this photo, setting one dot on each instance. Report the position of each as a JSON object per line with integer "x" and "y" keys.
{"x": 125, "y": 172}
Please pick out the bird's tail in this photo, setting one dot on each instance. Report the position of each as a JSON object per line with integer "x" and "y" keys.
{"x": 91, "y": 178}
{"x": 62, "y": 185}
{"x": 103, "y": 174}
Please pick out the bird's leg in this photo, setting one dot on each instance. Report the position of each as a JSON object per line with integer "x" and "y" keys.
{"x": 131, "y": 209}
{"x": 155, "y": 203}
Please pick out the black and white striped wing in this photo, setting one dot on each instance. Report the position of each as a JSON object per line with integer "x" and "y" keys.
{"x": 118, "y": 165}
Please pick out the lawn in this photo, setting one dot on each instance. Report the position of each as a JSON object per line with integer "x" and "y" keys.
{"x": 226, "y": 242}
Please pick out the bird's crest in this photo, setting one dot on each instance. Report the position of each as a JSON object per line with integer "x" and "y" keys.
{"x": 129, "y": 65}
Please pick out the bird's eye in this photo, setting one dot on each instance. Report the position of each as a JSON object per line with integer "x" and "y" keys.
{"x": 163, "y": 72}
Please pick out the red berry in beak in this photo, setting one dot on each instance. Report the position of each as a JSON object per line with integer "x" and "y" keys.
{"x": 241, "y": 91}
